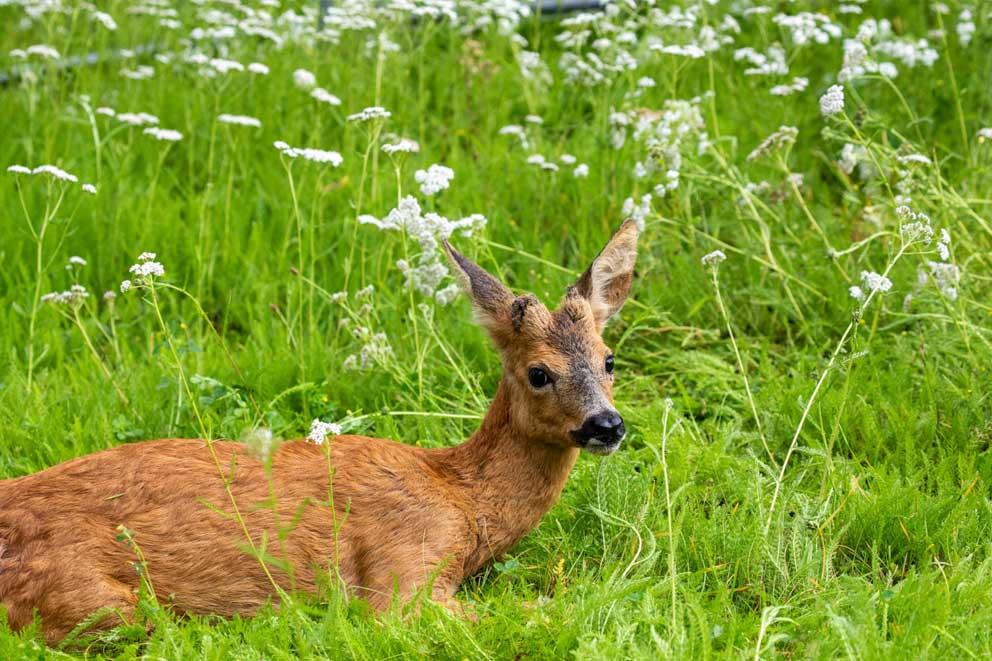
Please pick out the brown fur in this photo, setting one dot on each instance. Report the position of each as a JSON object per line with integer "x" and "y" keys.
{"x": 405, "y": 515}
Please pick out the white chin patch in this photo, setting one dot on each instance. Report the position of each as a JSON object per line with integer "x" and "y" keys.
{"x": 600, "y": 448}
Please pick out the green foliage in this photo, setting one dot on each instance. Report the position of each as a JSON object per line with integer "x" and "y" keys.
{"x": 872, "y": 543}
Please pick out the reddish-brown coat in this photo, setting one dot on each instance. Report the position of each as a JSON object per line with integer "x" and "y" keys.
{"x": 401, "y": 517}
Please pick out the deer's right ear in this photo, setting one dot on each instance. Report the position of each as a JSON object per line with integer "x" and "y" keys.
{"x": 490, "y": 297}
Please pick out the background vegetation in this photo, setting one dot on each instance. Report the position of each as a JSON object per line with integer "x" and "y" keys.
{"x": 693, "y": 540}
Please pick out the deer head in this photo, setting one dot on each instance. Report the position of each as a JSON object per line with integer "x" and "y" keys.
{"x": 556, "y": 367}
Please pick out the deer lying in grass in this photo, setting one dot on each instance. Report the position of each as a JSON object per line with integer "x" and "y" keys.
{"x": 401, "y": 518}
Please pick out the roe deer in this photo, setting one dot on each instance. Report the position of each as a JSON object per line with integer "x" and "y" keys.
{"x": 408, "y": 518}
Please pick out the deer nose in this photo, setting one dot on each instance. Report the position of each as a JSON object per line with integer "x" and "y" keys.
{"x": 606, "y": 427}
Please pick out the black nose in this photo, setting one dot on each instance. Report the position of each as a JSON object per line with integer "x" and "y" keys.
{"x": 606, "y": 426}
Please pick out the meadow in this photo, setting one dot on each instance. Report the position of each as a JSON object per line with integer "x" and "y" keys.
{"x": 804, "y": 364}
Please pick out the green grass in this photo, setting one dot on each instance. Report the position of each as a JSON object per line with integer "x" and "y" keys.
{"x": 878, "y": 542}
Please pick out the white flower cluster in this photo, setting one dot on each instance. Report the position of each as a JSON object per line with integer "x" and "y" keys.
{"x": 714, "y": 258}
{"x": 309, "y": 154}
{"x": 832, "y": 101}
{"x": 319, "y": 431}
{"x": 141, "y": 72}
{"x": 145, "y": 270}
{"x": 771, "y": 63}
{"x": 434, "y": 179}
{"x": 41, "y": 50}
{"x": 165, "y": 135}
{"x": 240, "y": 120}
{"x": 662, "y": 137}
{"x": 369, "y": 114}
{"x": 806, "y": 27}
{"x": 798, "y": 84}
{"x": 304, "y": 79}
{"x": 402, "y": 146}
{"x": 428, "y": 229}
{"x": 322, "y": 95}
{"x": 376, "y": 350}
{"x": 873, "y": 282}
{"x": 73, "y": 296}
{"x": 855, "y": 156}
{"x": 638, "y": 210}
{"x": 875, "y": 41}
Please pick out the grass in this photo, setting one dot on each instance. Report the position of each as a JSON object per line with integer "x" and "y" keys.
{"x": 861, "y": 531}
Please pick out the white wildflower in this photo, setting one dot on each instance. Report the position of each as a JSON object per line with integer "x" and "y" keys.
{"x": 637, "y": 210}
{"x": 446, "y": 295}
{"x": 125, "y": 285}
{"x": 324, "y": 96}
{"x": 166, "y": 135}
{"x": 55, "y": 172}
{"x": 137, "y": 118}
{"x": 946, "y": 277}
{"x": 832, "y": 101}
{"x": 304, "y": 79}
{"x": 369, "y": 114}
{"x": 44, "y": 51}
{"x": 714, "y": 258}
{"x": 18, "y": 169}
{"x": 875, "y": 282}
{"x": 141, "y": 72}
{"x": 320, "y": 430}
{"x": 241, "y": 120}
{"x": 434, "y": 179}
{"x": 857, "y": 293}
{"x": 581, "y": 171}
{"x": 89, "y": 188}
{"x": 258, "y": 68}
{"x": 402, "y": 146}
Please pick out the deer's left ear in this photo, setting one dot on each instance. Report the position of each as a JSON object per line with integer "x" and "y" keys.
{"x": 490, "y": 297}
{"x": 606, "y": 283}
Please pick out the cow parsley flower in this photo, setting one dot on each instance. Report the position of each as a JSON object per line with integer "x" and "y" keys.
{"x": 637, "y": 210}
{"x": 985, "y": 134}
{"x": 946, "y": 277}
{"x": 875, "y": 282}
{"x": 446, "y": 295}
{"x": 43, "y": 51}
{"x": 304, "y": 79}
{"x": 136, "y": 118}
{"x": 166, "y": 135}
{"x": 714, "y": 258}
{"x": 324, "y": 96}
{"x": 798, "y": 84}
{"x": 89, "y": 188}
{"x": 581, "y": 171}
{"x": 73, "y": 296}
{"x": 402, "y": 146}
{"x": 56, "y": 172}
{"x": 241, "y": 120}
{"x": 258, "y": 68}
{"x": 857, "y": 293}
{"x": 434, "y": 179}
{"x": 321, "y": 430}
{"x": 369, "y": 114}
{"x": 18, "y": 169}
{"x": 832, "y": 101}
{"x": 310, "y": 154}
{"x": 141, "y": 72}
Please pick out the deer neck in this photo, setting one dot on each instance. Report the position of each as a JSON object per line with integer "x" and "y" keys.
{"x": 511, "y": 478}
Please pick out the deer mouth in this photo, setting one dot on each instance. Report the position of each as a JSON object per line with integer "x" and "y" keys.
{"x": 600, "y": 445}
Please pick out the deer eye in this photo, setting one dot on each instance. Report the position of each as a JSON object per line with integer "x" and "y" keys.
{"x": 609, "y": 364}
{"x": 538, "y": 377}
